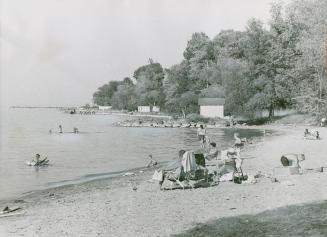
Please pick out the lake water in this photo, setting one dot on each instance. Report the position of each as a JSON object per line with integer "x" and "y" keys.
{"x": 99, "y": 150}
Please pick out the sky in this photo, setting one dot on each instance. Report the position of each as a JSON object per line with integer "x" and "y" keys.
{"x": 58, "y": 52}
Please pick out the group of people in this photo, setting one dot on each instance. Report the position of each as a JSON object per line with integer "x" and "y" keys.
{"x": 225, "y": 161}
{"x": 37, "y": 161}
{"x": 75, "y": 130}
{"x": 205, "y": 140}
{"x": 228, "y": 160}
{"x": 311, "y": 135}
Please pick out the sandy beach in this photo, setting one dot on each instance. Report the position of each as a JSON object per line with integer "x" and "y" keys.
{"x": 135, "y": 206}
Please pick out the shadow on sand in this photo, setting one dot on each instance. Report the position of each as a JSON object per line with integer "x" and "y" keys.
{"x": 297, "y": 220}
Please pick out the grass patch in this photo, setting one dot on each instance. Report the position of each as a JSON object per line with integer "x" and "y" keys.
{"x": 297, "y": 220}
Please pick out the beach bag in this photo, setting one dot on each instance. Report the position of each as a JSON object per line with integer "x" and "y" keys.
{"x": 158, "y": 175}
{"x": 237, "y": 178}
{"x": 284, "y": 161}
{"x": 197, "y": 174}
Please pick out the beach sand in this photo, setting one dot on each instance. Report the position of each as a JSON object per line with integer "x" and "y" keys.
{"x": 134, "y": 206}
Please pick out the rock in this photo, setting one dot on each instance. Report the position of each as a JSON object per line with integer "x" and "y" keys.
{"x": 274, "y": 180}
{"x": 19, "y": 201}
{"x": 129, "y": 174}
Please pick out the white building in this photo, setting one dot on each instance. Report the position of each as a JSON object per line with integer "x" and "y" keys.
{"x": 212, "y": 107}
{"x": 104, "y": 109}
{"x": 156, "y": 109}
{"x": 144, "y": 109}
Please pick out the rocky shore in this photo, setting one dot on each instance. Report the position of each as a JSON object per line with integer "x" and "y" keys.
{"x": 171, "y": 123}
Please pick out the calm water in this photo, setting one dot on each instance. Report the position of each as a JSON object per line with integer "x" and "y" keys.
{"x": 99, "y": 150}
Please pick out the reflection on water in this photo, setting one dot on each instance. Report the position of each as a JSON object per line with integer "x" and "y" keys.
{"x": 99, "y": 148}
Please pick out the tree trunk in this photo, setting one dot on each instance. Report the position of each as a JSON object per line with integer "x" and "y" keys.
{"x": 183, "y": 112}
{"x": 271, "y": 111}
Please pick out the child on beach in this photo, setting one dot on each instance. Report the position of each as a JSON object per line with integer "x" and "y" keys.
{"x": 152, "y": 162}
{"x": 311, "y": 135}
{"x": 238, "y": 142}
{"x": 201, "y": 132}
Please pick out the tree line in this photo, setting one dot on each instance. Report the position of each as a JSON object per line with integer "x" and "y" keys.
{"x": 264, "y": 67}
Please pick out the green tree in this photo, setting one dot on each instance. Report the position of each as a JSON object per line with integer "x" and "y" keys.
{"x": 198, "y": 57}
{"x": 124, "y": 98}
{"x": 310, "y": 70}
{"x": 104, "y": 93}
{"x": 149, "y": 84}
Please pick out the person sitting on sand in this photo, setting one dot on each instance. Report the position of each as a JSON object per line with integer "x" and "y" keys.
{"x": 231, "y": 163}
{"x": 213, "y": 152}
{"x": 201, "y": 132}
{"x": 306, "y": 132}
{"x": 152, "y": 162}
{"x": 313, "y": 135}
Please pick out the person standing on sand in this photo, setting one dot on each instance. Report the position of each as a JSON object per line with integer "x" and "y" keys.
{"x": 201, "y": 133}
{"x": 238, "y": 142}
{"x": 60, "y": 129}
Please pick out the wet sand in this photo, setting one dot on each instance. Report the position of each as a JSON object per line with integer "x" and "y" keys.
{"x": 134, "y": 206}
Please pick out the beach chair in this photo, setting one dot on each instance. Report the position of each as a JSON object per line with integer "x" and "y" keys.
{"x": 211, "y": 168}
{"x": 190, "y": 175}
{"x": 232, "y": 165}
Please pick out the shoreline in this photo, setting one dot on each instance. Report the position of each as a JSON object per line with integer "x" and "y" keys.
{"x": 111, "y": 175}
{"x": 112, "y": 207}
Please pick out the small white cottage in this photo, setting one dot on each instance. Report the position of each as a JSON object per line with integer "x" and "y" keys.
{"x": 144, "y": 109}
{"x": 156, "y": 109}
{"x": 104, "y": 109}
{"x": 212, "y": 107}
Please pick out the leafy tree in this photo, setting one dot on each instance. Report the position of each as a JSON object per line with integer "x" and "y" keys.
{"x": 180, "y": 96}
{"x": 310, "y": 70}
{"x": 149, "y": 84}
{"x": 229, "y": 43}
{"x": 185, "y": 104}
{"x": 124, "y": 98}
{"x": 104, "y": 93}
{"x": 198, "y": 56}
{"x": 261, "y": 68}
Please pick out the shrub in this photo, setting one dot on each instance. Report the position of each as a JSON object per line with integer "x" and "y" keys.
{"x": 196, "y": 118}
